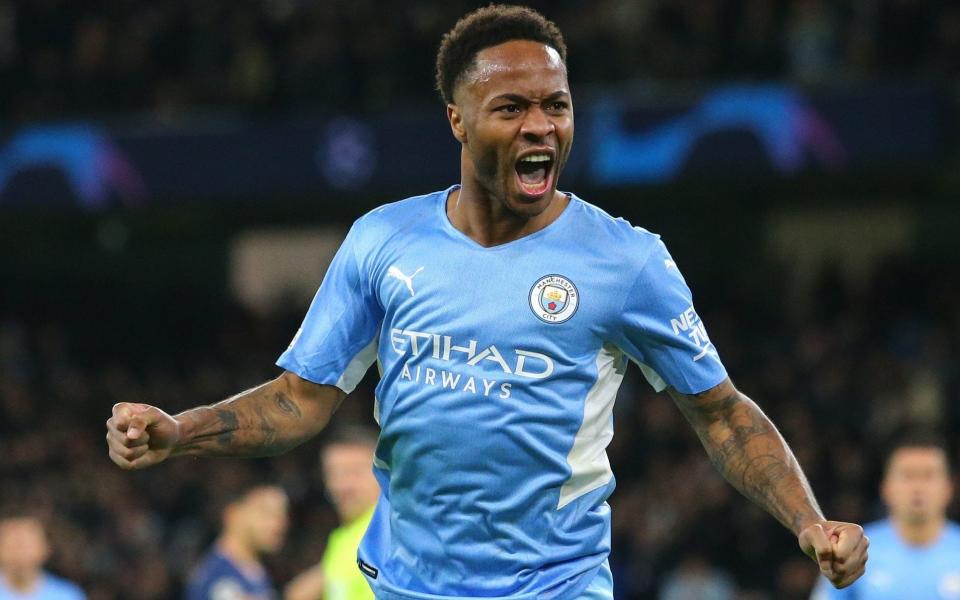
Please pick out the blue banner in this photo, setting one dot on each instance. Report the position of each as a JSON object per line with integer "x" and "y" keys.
{"x": 727, "y": 131}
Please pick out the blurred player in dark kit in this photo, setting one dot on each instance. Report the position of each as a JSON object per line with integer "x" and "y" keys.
{"x": 254, "y": 524}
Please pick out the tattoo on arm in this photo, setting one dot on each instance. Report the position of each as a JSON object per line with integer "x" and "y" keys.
{"x": 229, "y": 421}
{"x": 264, "y": 421}
{"x": 749, "y": 452}
{"x": 287, "y": 406}
{"x": 266, "y": 428}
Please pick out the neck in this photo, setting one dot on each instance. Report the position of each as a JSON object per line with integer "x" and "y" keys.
{"x": 347, "y": 518}
{"x": 487, "y": 221}
{"x": 234, "y": 548}
{"x": 920, "y": 533}
{"x": 21, "y": 581}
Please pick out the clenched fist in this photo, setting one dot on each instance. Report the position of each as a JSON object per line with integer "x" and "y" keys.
{"x": 840, "y": 549}
{"x": 140, "y": 435}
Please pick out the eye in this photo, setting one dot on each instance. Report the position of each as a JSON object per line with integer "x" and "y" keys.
{"x": 558, "y": 106}
{"x": 510, "y": 109}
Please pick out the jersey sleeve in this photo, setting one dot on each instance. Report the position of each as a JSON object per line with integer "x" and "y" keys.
{"x": 338, "y": 339}
{"x": 662, "y": 333}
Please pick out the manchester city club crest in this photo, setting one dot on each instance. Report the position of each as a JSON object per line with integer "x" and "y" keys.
{"x": 554, "y": 299}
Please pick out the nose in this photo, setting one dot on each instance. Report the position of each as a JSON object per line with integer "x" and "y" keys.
{"x": 536, "y": 124}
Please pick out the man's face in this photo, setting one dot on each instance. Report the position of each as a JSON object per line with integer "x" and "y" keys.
{"x": 916, "y": 487}
{"x": 348, "y": 477}
{"x": 23, "y": 545}
{"x": 514, "y": 115}
{"x": 263, "y": 518}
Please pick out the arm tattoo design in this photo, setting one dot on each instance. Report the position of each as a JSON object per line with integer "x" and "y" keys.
{"x": 287, "y": 406}
{"x": 229, "y": 421}
{"x": 263, "y": 421}
{"x": 749, "y": 452}
{"x": 266, "y": 428}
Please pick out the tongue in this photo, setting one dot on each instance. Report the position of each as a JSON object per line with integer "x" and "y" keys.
{"x": 533, "y": 176}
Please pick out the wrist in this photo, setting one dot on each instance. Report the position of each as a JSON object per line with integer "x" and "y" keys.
{"x": 804, "y": 523}
{"x": 182, "y": 432}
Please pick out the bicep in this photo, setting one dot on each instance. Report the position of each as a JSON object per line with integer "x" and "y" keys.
{"x": 660, "y": 330}
{"x": 709, "y": 405}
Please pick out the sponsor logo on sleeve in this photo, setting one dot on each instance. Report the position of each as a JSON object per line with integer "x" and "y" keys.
{"x": 688, "y": 324}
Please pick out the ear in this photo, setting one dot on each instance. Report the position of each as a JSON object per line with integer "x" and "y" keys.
{"x": 455, "y": 116}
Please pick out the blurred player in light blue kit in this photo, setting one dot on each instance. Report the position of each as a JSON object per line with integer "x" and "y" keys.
{"x": 915, "y": 551}
{"x": 502, "y": 314}
{"x": 254, "y": 524}
{"x": 23, "y": 551}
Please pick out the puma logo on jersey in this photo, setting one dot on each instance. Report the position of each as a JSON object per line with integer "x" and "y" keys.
{"x": 406, "y": 279}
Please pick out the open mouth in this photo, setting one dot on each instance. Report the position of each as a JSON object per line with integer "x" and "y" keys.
{"x": 535, "y": 173}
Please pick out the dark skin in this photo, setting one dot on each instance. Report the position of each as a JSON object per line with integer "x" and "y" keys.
{"x": 513, "y": 102}
{"x": 746, "y": 448}
{"x": 264, "y": 421}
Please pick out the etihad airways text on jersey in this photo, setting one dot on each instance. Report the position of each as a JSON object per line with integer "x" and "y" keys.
{"x": 525, "y": 363}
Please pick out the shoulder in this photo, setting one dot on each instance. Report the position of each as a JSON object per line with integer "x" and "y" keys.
{"x": 399, "y": 216}
{"x": 216, "y": 578}
{"x": 615, "y": 234}
{"x": 211, "y": 566}
{"x": 211, "y": 561}
{"x": 63, "y": 589}
{"x": 953, "y": 532}
{"x": 392, "y": 225}
{"x": 879, "y": 530}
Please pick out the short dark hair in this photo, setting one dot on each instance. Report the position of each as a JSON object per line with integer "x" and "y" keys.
{"x": 916, "y": 437}
{"x": 485, "y": 27}
{"x": 350, "y": 435}
{"x": 24, "y": 515}
{"x": 238, "y": 494}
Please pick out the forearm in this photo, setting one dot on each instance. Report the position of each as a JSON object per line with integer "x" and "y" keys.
{"x": 263, "y": 421}
{"x": 745, "y": 446}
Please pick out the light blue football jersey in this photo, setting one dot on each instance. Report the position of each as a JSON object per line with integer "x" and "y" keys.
{"x": 499, "y": 368}
{"x": 898, "y": 571}
{"x": 49, "y": 587}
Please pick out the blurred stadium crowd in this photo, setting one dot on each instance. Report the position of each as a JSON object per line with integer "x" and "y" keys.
{"x": 838, "y": 381}
{"x": 61, "y": 58}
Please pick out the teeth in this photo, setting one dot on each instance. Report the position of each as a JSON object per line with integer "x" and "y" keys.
{"x": 536, "y": 158}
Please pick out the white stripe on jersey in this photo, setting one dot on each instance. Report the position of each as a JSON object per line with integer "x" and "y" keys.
{"x": 589, "y": 465}
{"x": 358, "y": 366}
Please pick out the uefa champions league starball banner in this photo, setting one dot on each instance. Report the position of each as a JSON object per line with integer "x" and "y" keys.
{"x": 728, "y": 131}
